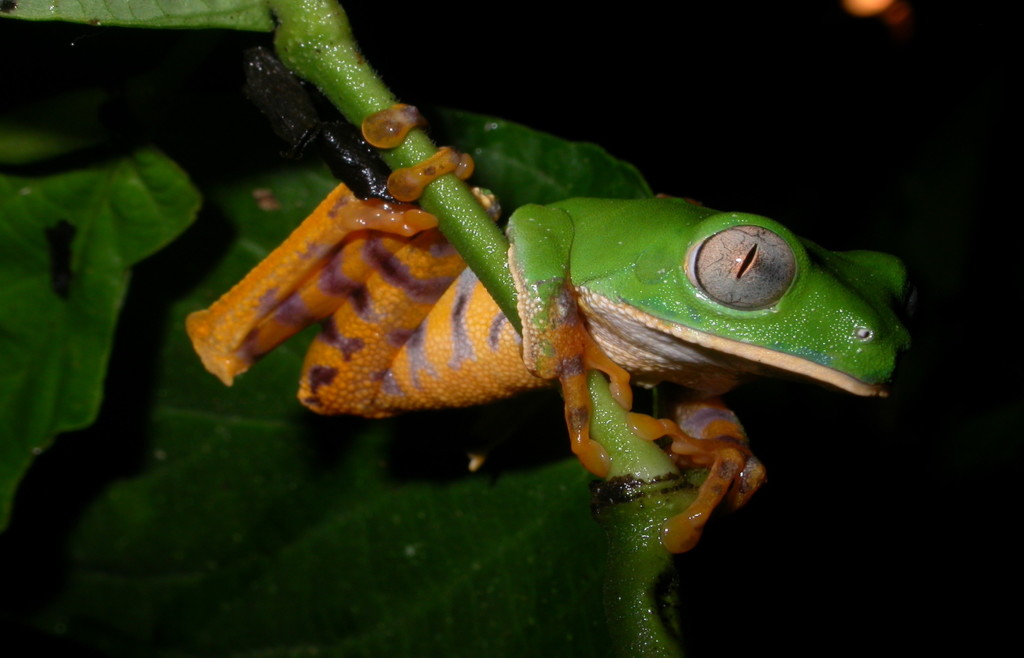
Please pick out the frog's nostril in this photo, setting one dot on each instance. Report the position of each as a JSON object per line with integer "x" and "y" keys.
{"x": 864, "y": 334}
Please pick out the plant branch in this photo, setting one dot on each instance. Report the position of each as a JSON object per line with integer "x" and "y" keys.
{"x": 644, "y": 489}
{"x": 314, "y": 39}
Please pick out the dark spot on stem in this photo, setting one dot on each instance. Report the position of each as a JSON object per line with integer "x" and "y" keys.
{"x": 625, "y": 489}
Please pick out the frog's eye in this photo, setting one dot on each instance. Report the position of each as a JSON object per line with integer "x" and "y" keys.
{"x": 743, "y": 267}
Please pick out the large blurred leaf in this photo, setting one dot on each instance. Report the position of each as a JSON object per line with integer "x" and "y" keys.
{"x": 230, "y": 14}
{"x": 66, "y": 243}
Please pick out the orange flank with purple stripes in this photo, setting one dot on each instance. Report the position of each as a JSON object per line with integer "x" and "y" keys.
{"x": 409, "y": 341}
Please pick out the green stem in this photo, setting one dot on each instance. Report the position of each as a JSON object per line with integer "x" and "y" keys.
{"x": 643, "y": 490}
{"x": 314, "y": 39}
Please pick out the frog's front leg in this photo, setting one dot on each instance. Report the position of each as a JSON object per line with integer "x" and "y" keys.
{"x": 704, "y": 434}
{"x": 559, "y": 347}
{"x": 556, "y": 343}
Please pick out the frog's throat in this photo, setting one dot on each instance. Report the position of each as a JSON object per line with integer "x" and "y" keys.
{"x": 643, "y": 344}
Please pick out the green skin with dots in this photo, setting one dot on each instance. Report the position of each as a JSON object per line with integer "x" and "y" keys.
{"x": 837, "y": 320}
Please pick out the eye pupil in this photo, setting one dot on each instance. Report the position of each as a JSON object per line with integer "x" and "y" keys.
{"x": 744, "y": 267}
{"x": 747, "y": 261}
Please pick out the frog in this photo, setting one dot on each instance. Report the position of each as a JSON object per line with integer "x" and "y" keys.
{"x": 673, "y": 292}
{"x": 646, "y": 291}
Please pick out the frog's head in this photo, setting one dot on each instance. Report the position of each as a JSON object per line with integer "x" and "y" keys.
{"x": 754, "y": 298}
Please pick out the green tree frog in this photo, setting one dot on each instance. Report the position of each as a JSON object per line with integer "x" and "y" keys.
{"x": 646, "y": 291}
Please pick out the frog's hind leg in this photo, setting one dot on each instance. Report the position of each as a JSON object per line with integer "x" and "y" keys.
{"x": 705, "y": 434}
{"x": 286, "y": 291}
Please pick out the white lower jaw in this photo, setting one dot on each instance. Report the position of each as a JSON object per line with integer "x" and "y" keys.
{"x": 653, "y": 350}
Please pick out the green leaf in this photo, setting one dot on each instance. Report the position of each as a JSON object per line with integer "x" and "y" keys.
{"x": 522, "y": 165}
{"x": 66, "y": 243}
{"x": 228, "y": 14}
{"x": 249, "y": 535}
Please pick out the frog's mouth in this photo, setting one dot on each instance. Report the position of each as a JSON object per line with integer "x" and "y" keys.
{"x": 654, "y": 350}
